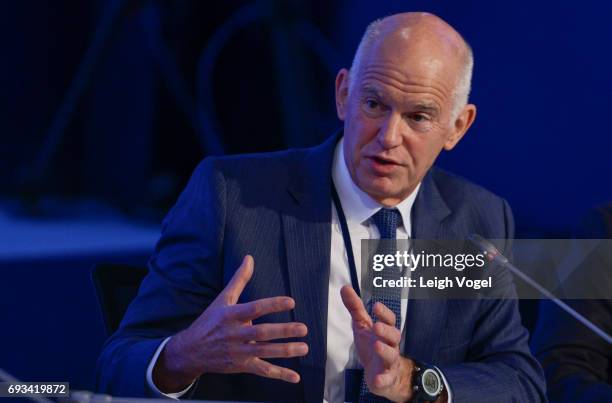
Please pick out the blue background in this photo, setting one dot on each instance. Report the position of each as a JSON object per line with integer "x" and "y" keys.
{"x": 107, "y": 106}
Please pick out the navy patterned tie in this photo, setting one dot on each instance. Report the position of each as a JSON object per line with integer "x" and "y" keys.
{"x": 387, "y": 220}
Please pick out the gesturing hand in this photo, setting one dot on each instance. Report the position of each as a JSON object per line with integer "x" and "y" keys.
{"x": 223, "y": 339}
{"x": 386, "y": 372}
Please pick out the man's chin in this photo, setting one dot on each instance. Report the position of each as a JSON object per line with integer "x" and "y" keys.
{"x": 383, "y": 190}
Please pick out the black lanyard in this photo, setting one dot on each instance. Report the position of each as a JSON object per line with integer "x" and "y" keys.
{"x": 346, "y": 236}
{"x": 352, "y": 377}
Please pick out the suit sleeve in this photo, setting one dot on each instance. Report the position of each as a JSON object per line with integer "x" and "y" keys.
{"x": 185, "y": 275}
{"x": 499, "y": 365}
{"x": 576, "y": 361}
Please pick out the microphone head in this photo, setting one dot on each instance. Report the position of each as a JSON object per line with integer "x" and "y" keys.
{"x": 487, "y": 248}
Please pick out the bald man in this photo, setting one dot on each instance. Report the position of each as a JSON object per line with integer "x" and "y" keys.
{"x": 252, "y": 293}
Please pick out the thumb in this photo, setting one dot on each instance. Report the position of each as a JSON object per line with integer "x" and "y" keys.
{"x": 239, "y": 280}
{"x": 355, "y": 306}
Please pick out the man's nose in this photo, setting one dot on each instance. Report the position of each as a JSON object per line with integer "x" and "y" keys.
{"x": 390, "y": 134}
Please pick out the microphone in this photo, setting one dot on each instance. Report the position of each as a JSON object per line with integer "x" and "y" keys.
{"x": 494, "y": 255}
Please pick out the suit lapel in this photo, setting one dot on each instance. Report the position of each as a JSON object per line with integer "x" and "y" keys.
{"x": 307, "y": 234}
{"x": 425, "y": 316}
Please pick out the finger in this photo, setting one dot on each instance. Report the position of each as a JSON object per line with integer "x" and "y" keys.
{"x": 269, "y": 331}
{"x": 239, "y": 280}
{"x": 275, "y": 350}
{"x": 388, "y": 334}
{"x": 267, "y": 370}
{"x": 355, "y": 306}
{"x": 383, "y": 313}
{"x": 255, "y": 309}
{"x": 387, "y": 354}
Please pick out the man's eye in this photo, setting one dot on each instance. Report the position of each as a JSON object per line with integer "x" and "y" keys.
{"x": 372, "y": 104}
{"x": 419, "y": 117}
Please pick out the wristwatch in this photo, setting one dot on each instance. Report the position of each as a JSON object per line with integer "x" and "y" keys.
{"x": 427, "y": 383}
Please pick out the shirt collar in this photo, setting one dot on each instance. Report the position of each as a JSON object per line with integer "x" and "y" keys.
{"x": 358, "y": 206}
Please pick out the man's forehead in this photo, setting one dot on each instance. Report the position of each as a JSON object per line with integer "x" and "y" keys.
{"x": 412, "y": 64}
{"x": 423, "y": 77}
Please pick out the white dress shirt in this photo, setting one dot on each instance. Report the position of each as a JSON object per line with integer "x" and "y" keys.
{"x": 358, "y": 207}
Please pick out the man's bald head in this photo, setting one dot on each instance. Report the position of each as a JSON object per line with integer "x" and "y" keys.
{"x": 421, "y": 35}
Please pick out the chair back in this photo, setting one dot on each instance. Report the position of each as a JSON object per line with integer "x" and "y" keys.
{"x": 116, "y": 286}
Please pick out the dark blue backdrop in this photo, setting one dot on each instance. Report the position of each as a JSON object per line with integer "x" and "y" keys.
{"x": 170, "y": 82}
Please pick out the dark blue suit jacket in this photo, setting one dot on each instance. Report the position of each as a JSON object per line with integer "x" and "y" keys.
{"x": 277, "y": 207}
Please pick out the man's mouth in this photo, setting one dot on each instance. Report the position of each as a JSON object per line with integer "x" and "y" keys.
{"x": 383, "y": 161}
{"x": 382, "y": 166}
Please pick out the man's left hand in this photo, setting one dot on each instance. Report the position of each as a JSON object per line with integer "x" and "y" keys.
{"x": 386, "y": 372}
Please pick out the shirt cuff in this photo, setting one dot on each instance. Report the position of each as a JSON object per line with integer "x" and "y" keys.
{"x": 152, "y": 386}
{"x": 446, "y": 387}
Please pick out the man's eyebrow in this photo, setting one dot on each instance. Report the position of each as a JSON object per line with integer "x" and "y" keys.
{"x": 372, "y": 91}
{"x": 427, "y": 107}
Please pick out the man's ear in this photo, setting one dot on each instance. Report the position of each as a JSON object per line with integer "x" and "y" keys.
{"x": 460, "y": 126}
{"x": 342, "y": 84}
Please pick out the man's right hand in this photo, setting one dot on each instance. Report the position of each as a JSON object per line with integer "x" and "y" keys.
{"x": 224, "y": 340}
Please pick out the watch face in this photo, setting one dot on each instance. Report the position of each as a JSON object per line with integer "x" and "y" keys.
{"x": 431, "y": 382}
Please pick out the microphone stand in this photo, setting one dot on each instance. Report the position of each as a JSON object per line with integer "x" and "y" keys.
{"x": 494, "y": 255}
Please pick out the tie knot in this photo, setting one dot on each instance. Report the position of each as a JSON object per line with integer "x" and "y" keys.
{"x": 387, "y": 220}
